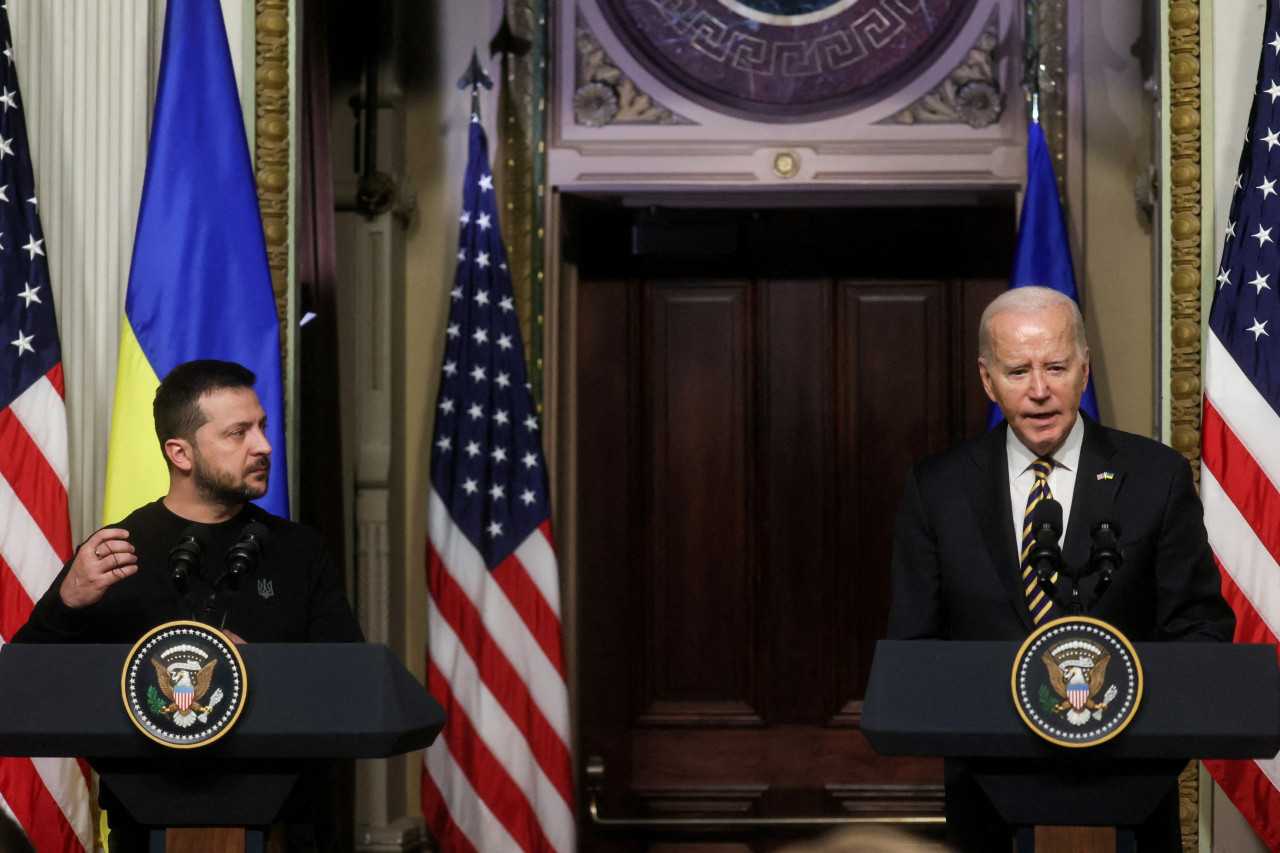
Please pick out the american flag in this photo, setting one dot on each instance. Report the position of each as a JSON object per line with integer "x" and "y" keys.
{"x": 499, "y": 779}
{"x": 1241, "y": 456}
{"x": 48, "y": 796}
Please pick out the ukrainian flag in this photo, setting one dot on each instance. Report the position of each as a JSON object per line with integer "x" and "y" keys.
{"x": 199, "y": 284}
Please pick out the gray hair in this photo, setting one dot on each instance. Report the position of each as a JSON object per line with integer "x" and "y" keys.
{"x": 1030, "y": 300}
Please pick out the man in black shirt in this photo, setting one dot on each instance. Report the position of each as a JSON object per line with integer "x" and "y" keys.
{"x": 119, "y": 584}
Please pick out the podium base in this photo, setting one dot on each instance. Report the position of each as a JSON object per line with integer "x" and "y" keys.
{"x": 1074, "y": 839}
{"x": 208, "y": 839}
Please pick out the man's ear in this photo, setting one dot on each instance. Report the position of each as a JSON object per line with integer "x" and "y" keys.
{"x": 985, "y": 374}
{"x": 178, "y": 452}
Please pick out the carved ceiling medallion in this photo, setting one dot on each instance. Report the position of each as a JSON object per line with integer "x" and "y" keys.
{"x": 970, "y": 93}
{"x": 604, "y": 95}
{"x": 785, "y": 60}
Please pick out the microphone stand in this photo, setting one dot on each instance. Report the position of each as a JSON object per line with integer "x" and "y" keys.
{"x": 1105, "y": 558}
{"x": 217, "y": 601}
{"x": 242, "y": 560}
{"x": 1047, "y": 558}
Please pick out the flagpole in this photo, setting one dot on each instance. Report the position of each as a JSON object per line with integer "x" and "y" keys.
{"x": 1032, "y": 69}
{"x": 474, "y": 77}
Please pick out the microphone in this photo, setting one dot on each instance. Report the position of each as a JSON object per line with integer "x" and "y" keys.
{"x": 186, "y": 555}
{"x": 1106, "y": 556}
{"x": 242, "y": 559}
{"x": 1045, "y": 556}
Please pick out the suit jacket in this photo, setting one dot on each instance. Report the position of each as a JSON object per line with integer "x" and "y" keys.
{"x": 955, "y": 561}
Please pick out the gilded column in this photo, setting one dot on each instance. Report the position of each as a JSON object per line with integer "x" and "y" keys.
{"x": 1185, "y": 227}
{"x": 271, "y": 147}
{"x": 521, "y": 167}
{"x": 1051, "y": 40}
{"x": 1185, "y": 253}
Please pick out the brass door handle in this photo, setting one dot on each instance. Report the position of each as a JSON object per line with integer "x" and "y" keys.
{"x": 595, "y": 781}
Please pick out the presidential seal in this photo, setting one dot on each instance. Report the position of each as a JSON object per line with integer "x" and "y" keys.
{"x": 1077, "y": 681}
{"x": 184, "y": 684}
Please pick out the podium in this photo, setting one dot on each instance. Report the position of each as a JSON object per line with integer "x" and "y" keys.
{"x": 954, "y": 699}
{"x": 306, "y": 704}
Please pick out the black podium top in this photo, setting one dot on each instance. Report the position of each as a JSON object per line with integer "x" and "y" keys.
{"x": 951, "y": 698}
{"x": 313, "y": 700}
{"x": 305, "y": 704}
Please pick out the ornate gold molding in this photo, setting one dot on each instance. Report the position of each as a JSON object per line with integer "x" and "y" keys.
{"x": 520, "y": 168}
{"x": 1189, "y": 806}
{"x": 513, "y": 168}
{"x": 1185, "y": 248}
{"x": 271, "y": 146}
{"x": 604, "y": 95}
{"x": 1185, "y": 254}
{"x": 970, "y": 94}
{"x": 1051, "y": 36}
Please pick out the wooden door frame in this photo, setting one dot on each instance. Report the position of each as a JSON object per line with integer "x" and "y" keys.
{"x": 561, "y": 435}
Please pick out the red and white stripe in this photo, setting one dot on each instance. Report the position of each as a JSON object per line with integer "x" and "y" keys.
{"x": 1241, "y": 467}
{"x": 49, "y": 797}
{"x": 500, "y": 777}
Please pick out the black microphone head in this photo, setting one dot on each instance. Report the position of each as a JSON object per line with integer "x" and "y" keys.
{"x": 256, "y": 531}
{"x": 242, "y": 559}
{"x": 1106, "y": 534}
{"x": 1048, "y": 512}
{"x": 186, "y": 555}
{"x": 197, "y": 534}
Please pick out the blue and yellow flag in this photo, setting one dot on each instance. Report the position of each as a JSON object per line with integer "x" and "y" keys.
{"x": 199, "y": 284}
{"x": 1043, "y": 253}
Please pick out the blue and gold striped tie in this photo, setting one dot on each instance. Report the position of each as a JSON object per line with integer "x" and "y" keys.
{"x": 1039, "y": 603}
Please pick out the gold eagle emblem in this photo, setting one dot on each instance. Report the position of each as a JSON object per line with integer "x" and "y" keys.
{"x": 171, "y": 681}
{"x": 1077, "y": 680}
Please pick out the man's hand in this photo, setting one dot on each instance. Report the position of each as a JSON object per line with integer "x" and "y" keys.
{"x": 104, "y": 559}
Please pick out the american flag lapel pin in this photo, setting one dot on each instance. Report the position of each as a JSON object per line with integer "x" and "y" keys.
{"x": 1106, "y": 475}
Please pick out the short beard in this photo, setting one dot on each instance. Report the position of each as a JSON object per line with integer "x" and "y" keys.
{"x": 220, "y": 487}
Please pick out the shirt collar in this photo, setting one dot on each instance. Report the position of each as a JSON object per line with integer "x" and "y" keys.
{"x": 1066, "y": 457}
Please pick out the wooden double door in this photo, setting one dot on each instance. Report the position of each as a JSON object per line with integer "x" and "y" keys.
{"x": 743, "y": 440}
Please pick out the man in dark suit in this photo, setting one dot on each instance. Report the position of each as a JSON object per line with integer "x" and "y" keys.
{"x": 958, "y": 572}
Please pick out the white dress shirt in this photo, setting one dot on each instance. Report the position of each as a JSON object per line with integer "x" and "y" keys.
{"x": 1062, "y": 479}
